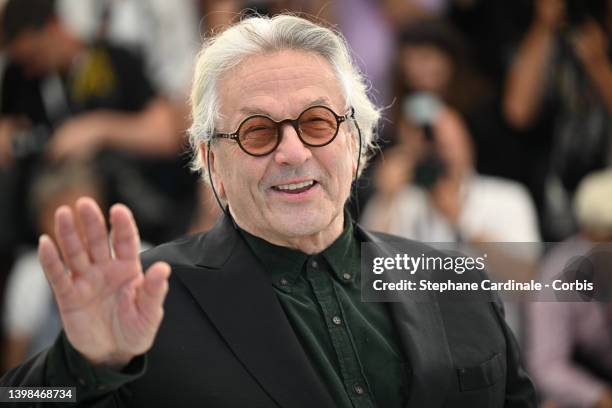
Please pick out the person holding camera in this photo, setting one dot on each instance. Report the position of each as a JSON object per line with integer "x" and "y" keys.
{"x": 428, "y": 188}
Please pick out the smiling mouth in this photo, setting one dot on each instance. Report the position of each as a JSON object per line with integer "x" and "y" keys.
{"x": 295, "y": 188}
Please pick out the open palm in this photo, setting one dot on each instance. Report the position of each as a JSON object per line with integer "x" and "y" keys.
{"x": 110, "y": 310}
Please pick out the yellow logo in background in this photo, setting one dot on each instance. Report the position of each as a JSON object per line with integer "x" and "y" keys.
{"x": 96, "y": 77}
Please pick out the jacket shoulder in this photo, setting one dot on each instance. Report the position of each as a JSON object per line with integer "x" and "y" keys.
{"x": 179, "y": 252}
{"x": 393, "y": 241}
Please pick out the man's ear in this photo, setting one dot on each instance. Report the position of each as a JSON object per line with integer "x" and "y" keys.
{"x": 214, "y": 174}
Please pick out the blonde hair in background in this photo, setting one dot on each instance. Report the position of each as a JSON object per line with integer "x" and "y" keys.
{"x": 593, "y": 205}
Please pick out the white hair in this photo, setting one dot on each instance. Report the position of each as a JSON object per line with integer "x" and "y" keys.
{"x": 261, "y": 34}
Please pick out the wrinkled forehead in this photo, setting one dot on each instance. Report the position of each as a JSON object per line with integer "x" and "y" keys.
{"x": 279, "y": 84}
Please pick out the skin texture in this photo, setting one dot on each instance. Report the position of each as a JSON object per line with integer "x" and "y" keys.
{"x": 281, "y": 85}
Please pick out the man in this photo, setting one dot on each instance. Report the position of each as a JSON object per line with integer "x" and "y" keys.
{"x": 264, "y": 310}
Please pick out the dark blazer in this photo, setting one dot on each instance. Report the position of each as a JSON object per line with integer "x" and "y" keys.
{"x": 225, "y": 341}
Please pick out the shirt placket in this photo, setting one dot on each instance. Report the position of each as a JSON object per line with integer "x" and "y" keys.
{"x": 353, "y": 379}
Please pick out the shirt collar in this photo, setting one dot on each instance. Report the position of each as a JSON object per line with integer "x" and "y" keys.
{"x": 284, "y": 265}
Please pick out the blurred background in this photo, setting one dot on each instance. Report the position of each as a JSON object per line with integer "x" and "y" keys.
{"x": 497, "y": 128}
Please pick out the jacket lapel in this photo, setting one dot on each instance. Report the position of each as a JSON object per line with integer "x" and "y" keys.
{"x": 421, "y": 331}
{"x": 236, "y": 294}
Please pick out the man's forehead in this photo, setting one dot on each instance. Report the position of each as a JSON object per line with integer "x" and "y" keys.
{"x": 306, "y": 103}
{"x": 282, "y": 83}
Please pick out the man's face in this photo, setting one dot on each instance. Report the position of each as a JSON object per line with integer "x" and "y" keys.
{"x": 35, "y": 51}
{"x": 281, "y": 85}
{"x": 426, "y": 68}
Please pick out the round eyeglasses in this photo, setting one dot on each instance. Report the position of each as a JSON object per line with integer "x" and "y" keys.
{"x": 259, "y": 135}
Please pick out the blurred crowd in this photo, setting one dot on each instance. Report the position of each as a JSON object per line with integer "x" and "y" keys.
{"x": 497, "y": 128}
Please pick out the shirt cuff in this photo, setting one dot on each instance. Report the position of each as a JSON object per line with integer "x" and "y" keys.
{"x": 67, "y": 367}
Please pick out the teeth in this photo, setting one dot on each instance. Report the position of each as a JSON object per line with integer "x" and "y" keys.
{"x": 296, "y": 185}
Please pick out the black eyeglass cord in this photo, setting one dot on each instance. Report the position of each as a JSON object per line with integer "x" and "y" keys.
{"x": 214, "y": 190}
{"x": 354, "y": 189}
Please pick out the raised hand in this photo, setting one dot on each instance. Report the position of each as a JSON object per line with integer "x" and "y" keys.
{"x": 110, "y": 310}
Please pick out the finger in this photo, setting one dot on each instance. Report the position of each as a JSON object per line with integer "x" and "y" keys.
{"x": 54, "y": 269}
{"x": 152, "y": 292}
{"x": 124, "y": 233}
{"x": 93, "y": 224}
{"x": 70, "y": 242}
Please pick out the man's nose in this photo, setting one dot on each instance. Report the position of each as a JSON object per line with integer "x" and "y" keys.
{"x": 291, "y": 150}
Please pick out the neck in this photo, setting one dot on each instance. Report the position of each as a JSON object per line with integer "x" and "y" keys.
{"x": 308, "y": 244}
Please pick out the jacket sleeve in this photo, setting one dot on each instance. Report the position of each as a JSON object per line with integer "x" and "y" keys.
{"x": 63, "y": 366}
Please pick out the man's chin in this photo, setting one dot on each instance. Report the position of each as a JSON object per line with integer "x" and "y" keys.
{"x": 299, "y": 223}
{"x": 299, "y": 229}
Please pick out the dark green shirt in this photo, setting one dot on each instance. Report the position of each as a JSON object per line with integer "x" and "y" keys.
{"x": 352, "y": 344}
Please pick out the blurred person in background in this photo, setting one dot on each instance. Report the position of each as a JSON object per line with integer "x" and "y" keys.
{"x": 428, "y": 188}
{"x": 434, "y": 57}
{"x": 558, "y": 92}
{"x": 166, "y": 34}
{"x": 30, "y": 317}
{"x": 371, "y": 27}
{"x": 492, "y": 28}
{"x": 65, "y": 99}
{"x": 569, "y": 349}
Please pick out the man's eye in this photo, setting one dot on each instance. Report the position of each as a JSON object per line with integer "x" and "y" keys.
{"x": 318, "y": 122}
{"x": 259, "y": 129}
{"x": 255, "y": 129}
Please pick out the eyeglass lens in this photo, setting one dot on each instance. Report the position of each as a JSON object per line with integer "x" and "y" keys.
{"x": 259, "y": 134}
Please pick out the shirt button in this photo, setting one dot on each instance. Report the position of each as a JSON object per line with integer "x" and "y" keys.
{"x": 314, "y": 264}
{"x": 358, "y": 389}
{"x": 347, "y": 276}
{"x": 284, "y": 282}
{"x": 337, "y": 320}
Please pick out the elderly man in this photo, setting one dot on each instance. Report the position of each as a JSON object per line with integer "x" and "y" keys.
{"x": 265, "y": 309}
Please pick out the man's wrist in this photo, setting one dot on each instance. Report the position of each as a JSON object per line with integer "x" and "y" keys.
{"x": 99, "y": 376}
{"x": 116, "y": 362}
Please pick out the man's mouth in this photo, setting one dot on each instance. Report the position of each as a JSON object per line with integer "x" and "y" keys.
{"x": 295, "y": 188}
